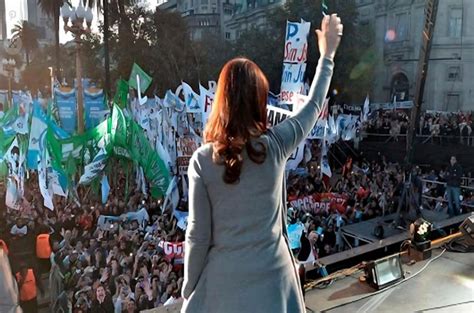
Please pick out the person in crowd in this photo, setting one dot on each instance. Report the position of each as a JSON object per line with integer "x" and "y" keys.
{"x": 28, "y": 285}
{"x": 453, "y": 183}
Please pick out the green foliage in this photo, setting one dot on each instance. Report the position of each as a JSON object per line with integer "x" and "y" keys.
{"x": 26, "y": 33}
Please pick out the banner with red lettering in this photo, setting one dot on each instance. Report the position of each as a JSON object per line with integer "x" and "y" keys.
{"x": 320, "y": 202}
{"x": 173, "y": 250}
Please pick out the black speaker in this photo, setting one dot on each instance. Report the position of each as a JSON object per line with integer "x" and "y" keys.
{"x": 384, "y": 272}
{"x": 467, "y": 228}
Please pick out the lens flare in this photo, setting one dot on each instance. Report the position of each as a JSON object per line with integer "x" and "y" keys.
{"x": 390, "y": 35}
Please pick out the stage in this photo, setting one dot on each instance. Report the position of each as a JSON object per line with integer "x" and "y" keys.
{"x": 445, "y": 285}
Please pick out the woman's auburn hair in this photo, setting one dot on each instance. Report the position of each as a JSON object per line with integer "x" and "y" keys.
{"x": 239, "y": 113}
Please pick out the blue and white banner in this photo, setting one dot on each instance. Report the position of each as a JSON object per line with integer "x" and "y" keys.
{"x": 66, "y": 103}
{"x": 95, "y": 108}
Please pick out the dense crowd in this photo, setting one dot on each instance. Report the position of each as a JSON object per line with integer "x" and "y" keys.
{"x": 456, "y": 126}
{"x": 99, "y": 265}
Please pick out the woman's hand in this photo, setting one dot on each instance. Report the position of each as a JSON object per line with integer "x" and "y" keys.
{"x": 329, "y": 36}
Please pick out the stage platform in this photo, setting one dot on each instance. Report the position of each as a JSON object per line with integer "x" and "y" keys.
{"x": 364, "y": 231}
{"x": 445, "y": 285}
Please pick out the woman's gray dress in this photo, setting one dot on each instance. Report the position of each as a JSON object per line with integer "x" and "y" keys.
{"x": 237, "y": 257}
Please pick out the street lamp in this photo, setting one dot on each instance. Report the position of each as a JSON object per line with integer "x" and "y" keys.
{"x": 77, "y": 17}
{"x": 9, "y": 67}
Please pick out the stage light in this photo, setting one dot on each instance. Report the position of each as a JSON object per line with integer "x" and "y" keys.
{"x": 384, "y": 272}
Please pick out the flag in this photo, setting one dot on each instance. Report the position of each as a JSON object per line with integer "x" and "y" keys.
{"x": 53, "y": 112}
{"x": 38, "y": 129}
{"x": 366, "y": 109}
{"x": 325, "y": 168}
{"x": 207, "y": 98}
{"x": 43, "y": 180}
{"x": 192, "y": 99}
{"x": 144, "y": 78}
{"x": 121, "y": 93}
{"x": 12, "y": 198}
{"x": 105, "y": 188}
{"x": 172, "y": 195}
{"x": 93, "y": 169}
{"x": 324, "y": 7}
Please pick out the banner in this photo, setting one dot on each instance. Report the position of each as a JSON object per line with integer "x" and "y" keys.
{"x": 294, "y": 61}
{"x": 66, "y": 103}
{"x": 402, "y": 105}
{"x": 277, "y": 115}
{"x": 207, "y": 99}
{"x": 318, "y": 202}
{"x": 95, "y": 108}
{"x": 185, "y": 147}
{"x": 352, "y": 109}
{"x": 173, "y": 250}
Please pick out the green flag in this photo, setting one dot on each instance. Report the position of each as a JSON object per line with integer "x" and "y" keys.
{"x": 145, "y": 79}
{"x": 121, "y": 93}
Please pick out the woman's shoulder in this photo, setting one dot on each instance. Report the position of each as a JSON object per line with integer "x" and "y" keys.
{"x": 203, "y": 151}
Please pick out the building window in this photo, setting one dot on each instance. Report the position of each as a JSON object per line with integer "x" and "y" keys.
{"x": 204, "y": 1}
{"x": 204, "y": 8}
{"x": 227, "y": 35}
{"x": 453, "y": 102}
{"x": 398, "y": 26}
{"x": 455, "y": 23}
{"x": 454, "y": 73}
{"x": 228, "y": 11}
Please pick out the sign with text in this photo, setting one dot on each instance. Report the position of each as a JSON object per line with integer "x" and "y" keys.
{"x": 294, "y": 61}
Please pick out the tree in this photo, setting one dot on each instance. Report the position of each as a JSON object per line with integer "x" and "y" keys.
{"x": 26, "y": 32}
{"x": 103, "y": 6}
{"x": 51, "y": 8}
{"x": 355, "y": 60}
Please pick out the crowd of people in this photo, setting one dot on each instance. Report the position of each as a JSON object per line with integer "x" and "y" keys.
{"x": 110, "y": 257}
{"x": 454, "y": 127}
{"x": 365, "y": 190}
{"x": 98, "y": 265}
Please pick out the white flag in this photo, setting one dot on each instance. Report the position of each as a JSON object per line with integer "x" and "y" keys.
{"x": 206, "y": 99}
{"x": 325, "y": 168}
{"x": 172, "y": 195}
{"x": 366, "y": 109}
{"x": 191, "y": 99}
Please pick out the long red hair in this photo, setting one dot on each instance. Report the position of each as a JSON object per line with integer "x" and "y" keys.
{"x": 239, "y": 113}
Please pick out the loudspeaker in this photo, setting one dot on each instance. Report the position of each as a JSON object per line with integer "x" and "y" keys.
{"x": 384, "y": 272}
{"x": 467, "y": 228}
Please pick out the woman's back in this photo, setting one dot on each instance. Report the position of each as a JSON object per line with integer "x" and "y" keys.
{"x": 237, "y": 257}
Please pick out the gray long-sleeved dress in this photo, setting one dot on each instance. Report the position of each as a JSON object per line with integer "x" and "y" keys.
{"x": 237, "y": 257}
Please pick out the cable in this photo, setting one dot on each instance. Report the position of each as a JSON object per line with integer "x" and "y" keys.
{"x": 457, "y": 245}
{"x": 390, "y": 287}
